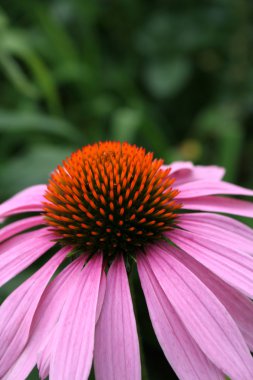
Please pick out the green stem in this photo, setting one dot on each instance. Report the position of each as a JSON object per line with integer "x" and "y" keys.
{"x": 143, "y": 360}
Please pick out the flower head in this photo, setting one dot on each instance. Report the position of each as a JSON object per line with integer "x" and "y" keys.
{"x": 110, "y": 205}
{"x": 111, "y": 197}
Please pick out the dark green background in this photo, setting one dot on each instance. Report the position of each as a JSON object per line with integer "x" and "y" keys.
{"x": 173, "y": 76}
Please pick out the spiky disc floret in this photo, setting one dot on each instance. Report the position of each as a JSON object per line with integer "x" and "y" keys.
{"x": 112, "y": 197}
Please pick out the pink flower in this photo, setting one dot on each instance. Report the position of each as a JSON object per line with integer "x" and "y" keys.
{"x": 108, "y": 206}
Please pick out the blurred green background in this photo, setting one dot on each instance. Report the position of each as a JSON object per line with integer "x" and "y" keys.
{"x": 174, "y": 77}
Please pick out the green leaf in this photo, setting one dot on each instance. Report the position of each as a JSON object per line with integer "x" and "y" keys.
{"x": 27, "y": 122}
{"x": 167, "y": 78}
{"x": 13, "y": 71}
{"x": 63, "y": 47}
{"x": 125, "y": 124}
{"x": 222, "y": 123}
{"x": 33, "y": 167}
{"x": 15, "y": 43}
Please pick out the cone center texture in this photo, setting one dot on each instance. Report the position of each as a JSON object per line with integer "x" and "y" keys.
{"x": 111, "y": 197}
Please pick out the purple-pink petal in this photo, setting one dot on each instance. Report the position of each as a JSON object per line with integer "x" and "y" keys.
{"x": 180, "y": 349}
{"x": 16, "y": 313}
{"x": 19, "y": 226}
{"x": 117, "y": 353}
{"x": 28, "y": 200}
{"x": 210, "y": 187}
{"x": 43, "y": 357}
{"x": 44, "y": 320}
{"x": 210, "y": 172}
{"x": 219, "y": 204}
{"x": 239, "y": 306}
{"x": 223, "y": 222}
{"x": 224, "y": 230}
{"x": 21, "y": 251}
{"x": 73, "y": 346}
{"x": 234, "y": 267}
{"x": 203, "y": 315}
{"x": 179, "y": 166}
{"x": 185, "y": 172}
{"x": 101, "y": 294}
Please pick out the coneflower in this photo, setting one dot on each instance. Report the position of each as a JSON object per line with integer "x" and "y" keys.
{"x": 109, "y": 206}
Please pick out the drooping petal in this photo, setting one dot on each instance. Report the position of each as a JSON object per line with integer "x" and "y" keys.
{"x": 21, "y": 251}
{"x": 185, "y": 172}
{"x": 44, "y": 320}
{"x": 27, "y": 200}
{"x": 211, "y": 172}
{"x": 44, "y": 354}
{"x": 210, "y": 187}
{"x": 203, "y": 315}
{"x": 224, "y": 230}
{"x": 19, "y": 226}
{"x": 117, "y": 353}
{"x": 221, "y": 221}
{"x": 101, "y": 295}
{"x": 234, "y": 267}
{"x": 178, "y": 166}
{"x": 74, "y": 336}
{"x": 17, "y": 312}
{"x": 22, "y": 238}
{"x": 219, "y": 204}
{"x": 43, "y": 359}
{"x": 239, "y": 306}
{"x": 180, "y": 349}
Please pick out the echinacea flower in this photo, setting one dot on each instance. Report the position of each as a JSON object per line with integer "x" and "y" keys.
{"x": 108, "y": 206}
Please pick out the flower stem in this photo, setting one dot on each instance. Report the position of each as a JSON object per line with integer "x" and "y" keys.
{"x": 132, "y": 278}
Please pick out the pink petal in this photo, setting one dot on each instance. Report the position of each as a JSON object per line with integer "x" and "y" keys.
{"x": 180, "y": 349}
{"x": 219, "y": 204}
{"x": 224, "y": 230}
{"x": 234, "y": 267}
{"x": 203, "y": 315}
{"x": 185, "y": 172}
{"x": 210, "y": 187}
{"x": 44, "y": 320}
{"x": 101, "y": 295}
{"x": 74, "y": 337}
{"x": 117, "y": 353}
{"x": 21, "y": 251}
{"x": 19, "y": 226}
{"x": 238, "y": 306}
{"x": 27, "y": 200}
{"x": 16, "y": 313}
{"x": 21, "y": 238}
{"x": 44, "y": 355}
{"x": 178, "y": 166}
{"x": 210, "y": 172}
